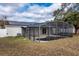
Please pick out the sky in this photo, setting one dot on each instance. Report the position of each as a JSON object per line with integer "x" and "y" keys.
{"x": 29, "y": 12}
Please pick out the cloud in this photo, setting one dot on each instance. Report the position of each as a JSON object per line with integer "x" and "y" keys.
{"x": 34, "y": 13}
{"x": 38, "y": 13}
{"x": 8, "y": 8}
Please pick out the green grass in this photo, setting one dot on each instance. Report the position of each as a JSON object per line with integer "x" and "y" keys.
{"x": 19, "y": 46}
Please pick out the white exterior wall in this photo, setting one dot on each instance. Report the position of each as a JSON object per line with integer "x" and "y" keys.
{"x": 13, "y": 30}
{"x": 3, "y": 32}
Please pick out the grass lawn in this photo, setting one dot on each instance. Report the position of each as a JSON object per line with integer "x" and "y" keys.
{"x": 19, "y": 46}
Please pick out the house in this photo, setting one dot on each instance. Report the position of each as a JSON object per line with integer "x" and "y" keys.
{"x": 36, "y": 30}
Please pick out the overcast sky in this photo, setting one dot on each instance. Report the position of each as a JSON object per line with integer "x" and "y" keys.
{"x": 29, "y": 12}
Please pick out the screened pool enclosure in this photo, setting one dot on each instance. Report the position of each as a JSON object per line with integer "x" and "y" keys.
{"x": 48, "y": 30}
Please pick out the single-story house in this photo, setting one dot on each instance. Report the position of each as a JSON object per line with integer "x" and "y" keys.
{"x": 35, "y": 30}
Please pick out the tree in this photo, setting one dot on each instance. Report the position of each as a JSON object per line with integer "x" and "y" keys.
{"x": 3, "y": 22}
{"x": 72, "y": 17}
{"x": 56, "y": 13}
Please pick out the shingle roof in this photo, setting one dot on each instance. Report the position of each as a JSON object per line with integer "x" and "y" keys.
{"x": 35, "y": 25}
{"x": 19, "y": 23}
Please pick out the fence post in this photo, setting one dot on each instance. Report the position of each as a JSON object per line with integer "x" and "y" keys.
{"x": 39, "y": 33}
{"x": 29, "y": 32}
{"x": 33, "y": 34}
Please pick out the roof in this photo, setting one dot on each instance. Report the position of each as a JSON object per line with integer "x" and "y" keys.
{"x": 35, "y": 25}
{"x": 16, "y": 23}
{"x": 20, "y": 23}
